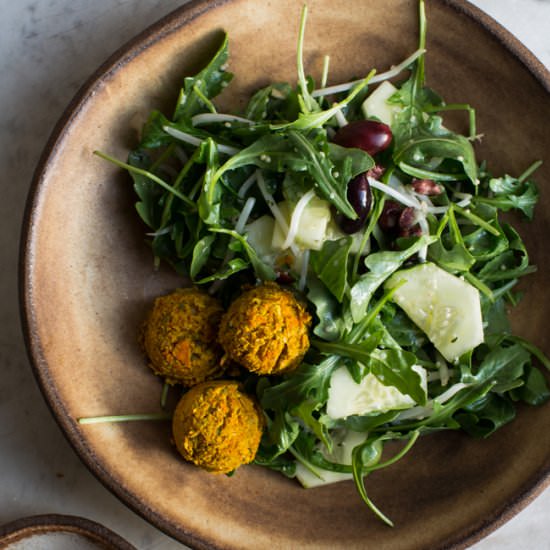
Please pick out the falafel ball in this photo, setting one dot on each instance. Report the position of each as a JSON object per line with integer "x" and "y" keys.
{"x": 180, "y": 337}
{"x": 217, "y": 426}
{"x": 265, "y": 330}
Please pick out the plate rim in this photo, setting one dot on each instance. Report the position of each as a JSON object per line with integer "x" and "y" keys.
{"x": 26, "y": 527}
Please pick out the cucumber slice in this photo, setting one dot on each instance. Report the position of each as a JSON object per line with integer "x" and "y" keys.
{"x": 346, "y": 397}
{"x": 376, "y": 105}
{"x": 308, "y": 479}
{"x": 259, "y": 234}
{"x": 312, "y": 226}
{"x": 444, "y": 306}
{"x": 344, "y": 442}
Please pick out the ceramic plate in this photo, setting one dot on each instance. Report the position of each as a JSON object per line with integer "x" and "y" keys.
{"x": 59, "y": 532}
{"x": 87, "y": 277}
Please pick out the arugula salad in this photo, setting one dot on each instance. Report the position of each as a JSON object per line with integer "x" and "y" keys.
{"x": 360, "y": 199}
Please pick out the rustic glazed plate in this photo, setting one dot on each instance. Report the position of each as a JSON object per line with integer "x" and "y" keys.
{"x": 59, "y": 532}
{"x": 87, "y": 278}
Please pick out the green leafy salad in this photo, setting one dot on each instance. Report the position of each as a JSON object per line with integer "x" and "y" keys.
{"x": 360, "y": 199}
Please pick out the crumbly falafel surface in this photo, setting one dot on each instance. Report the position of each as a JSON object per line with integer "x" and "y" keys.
{"x": 217, "y": 426}
{"x": 180, "y": 337}
{"x": 266, "y": 330}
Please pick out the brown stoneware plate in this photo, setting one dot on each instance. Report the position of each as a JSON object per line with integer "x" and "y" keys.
{"x": 59, "y": 532}
{"x": 87, "y": 277}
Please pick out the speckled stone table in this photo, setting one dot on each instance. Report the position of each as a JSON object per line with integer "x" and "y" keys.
{"x": 47, "y": 50}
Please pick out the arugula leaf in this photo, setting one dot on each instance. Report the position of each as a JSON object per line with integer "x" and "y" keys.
{"x": 512, "y": 193}
{"x": 201, "y": 253}
{"x": 330, "y": 325}
{"x": 426, "y": 146}
{"x": 331, "y": 265}
{"x": 152, "y": 134}
{"x": 535, "y": 389}
{"x": 496, "y": 322}
{"x": 483, "y": 245}
{"x": 368, "y": 423}
{"x": 502, "y": 365}
{"x": 283, "y": 431}
{"x": 393, "y": 367}
{"x": 263, "y": 271}
{"x": 304, "y": 412}
{"x": 348, "y": 162}
{"x": 210, "y": 197}
{"x": 484, "y": 417}
{"x": 208, "y": 83}
{"x": 268, "y": 457}
{"x": 511, "y": 263}
{"x": 450, "y": 251}
{"x": 227, "y": 270}
{"x": 278, "y": 101}
{"x": 404, "y": 332}
{"x": 307, "y": 382}
{"x": 332, "y": 186}
{"x": 441, "y": 417}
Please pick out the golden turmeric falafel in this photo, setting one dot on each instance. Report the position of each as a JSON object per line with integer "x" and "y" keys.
{"x": 180, "y": 337}
{"x": 265, "y": 330}
{"x": 217, "y": 426}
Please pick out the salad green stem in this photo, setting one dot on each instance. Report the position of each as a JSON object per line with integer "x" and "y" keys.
{"x": 309, "y": 102}
{"x": 469, "y": 215}
{"x": 414, "y": 435}
{"x": 147, "y": 174}
{"x": 423, "y": 173}
{"x": 458, "y": 107}
{"x": 124, "y": 418}
{"x": 530, "y": 171}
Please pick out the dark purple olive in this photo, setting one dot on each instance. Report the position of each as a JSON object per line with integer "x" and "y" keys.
{"x": 408, "y": 227}
{"x": 426, "y": 187}
{"x": 360, "y": 197}
{"x": 370, "y": 135}
{"x": 389, "y": 218}
{"x": 284, "y": 278}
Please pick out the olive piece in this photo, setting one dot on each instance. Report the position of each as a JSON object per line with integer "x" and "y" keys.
{"x": 369, "y": 135}
{"x": 360, "y": 197}
{"x": 389, "y": 218}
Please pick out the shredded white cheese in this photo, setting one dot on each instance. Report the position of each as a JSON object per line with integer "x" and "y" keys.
{"x": 407, "y": 200}
{"x": 193, "y": 140}
{"x": 393, "y": 71}
{"x": 208, "y": 118}
{"x": 245, "y": 214}
{"x": 275, "y": 210}
{"x": 295, "y": 218}
{"x": 340, "y": 117}
{"x": 247, "y": 184}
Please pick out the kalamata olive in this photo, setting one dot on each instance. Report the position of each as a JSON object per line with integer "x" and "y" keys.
{"x": 426, "y": 187}
{"x": 408, "y": 226}
{"x": 370, "y": 135}
{"x": 389, "y": 218}
{"x": 284, "y": 278}
{"x": 360, "y": 197}
{"x": 376, "y": 172}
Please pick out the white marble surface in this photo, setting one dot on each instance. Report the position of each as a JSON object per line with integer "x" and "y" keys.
{"x": 47, "y": 49}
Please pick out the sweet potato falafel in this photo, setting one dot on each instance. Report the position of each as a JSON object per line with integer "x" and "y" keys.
{"x": 180, "y": 337}
{"x": 265, "y": 330}
{"x": 217, "y": 426}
